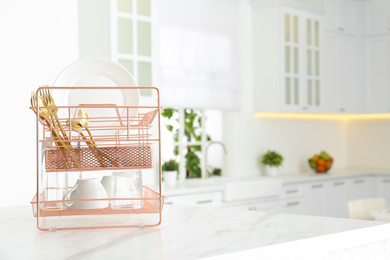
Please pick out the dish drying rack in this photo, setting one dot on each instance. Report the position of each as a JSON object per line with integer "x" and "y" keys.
{"x": 125, "y": 138}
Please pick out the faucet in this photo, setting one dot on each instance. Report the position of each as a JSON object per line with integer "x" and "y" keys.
{"x": 210, "y": 172}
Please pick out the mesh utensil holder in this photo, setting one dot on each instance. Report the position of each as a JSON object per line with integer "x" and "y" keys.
{"x": 124, "y": 156}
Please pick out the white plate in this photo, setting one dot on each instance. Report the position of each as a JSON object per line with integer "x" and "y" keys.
{"x": 96, "y": 72}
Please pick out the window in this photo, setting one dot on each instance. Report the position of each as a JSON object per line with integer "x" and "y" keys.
{"x": 188, "y": 135}
{"x": 131, "y": 39}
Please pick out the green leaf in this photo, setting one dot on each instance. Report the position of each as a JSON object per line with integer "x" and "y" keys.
{"x": 169, "y": 127}
{"x": 168, "y": 112}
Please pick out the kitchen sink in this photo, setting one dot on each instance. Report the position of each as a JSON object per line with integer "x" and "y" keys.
{"x": 236, "y": 189}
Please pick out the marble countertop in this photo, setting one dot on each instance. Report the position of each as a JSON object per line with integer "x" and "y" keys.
{"x": 194, "y": 233}
{"x": 192, "y": 186}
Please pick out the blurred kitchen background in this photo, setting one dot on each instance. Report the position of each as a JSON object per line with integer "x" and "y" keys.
{"x": 224, "y": 58}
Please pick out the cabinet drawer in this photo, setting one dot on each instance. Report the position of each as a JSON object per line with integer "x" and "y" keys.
{"x": 290, "y": 191}
{"x": 209, "y": 199}
{"x": 291, "y": 206}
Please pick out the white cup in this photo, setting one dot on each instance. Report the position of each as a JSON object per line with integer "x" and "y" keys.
{"x": 87, "y": 189}
{"x": 127, "y": 184}
{"x": 107, "y": 184}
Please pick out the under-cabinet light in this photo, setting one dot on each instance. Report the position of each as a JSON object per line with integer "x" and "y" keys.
{"x": 321, "y": 115}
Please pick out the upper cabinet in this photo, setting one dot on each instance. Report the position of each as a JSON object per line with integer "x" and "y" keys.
{"x": 286, "y": 60}
{"x": 341, "y": 16}
{"x": 377, "y": 77}
{"x": 342, "y": 56}
{"x": 376, "y": 59}
{"x": 341, "y": 73}
{"x": 197, "y": 45}
{"x": 376, "y": 17}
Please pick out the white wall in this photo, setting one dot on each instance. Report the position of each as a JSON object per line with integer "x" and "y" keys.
{"x": 368, "y": 143}
{"x": 37, "y": 40}
{"x": 247, "y": 138}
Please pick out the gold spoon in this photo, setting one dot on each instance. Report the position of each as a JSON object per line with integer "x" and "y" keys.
{"x": 84, "y": 121}
{"x": 76, "y": 126}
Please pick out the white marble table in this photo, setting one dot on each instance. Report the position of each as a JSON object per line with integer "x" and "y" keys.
{"x": 193, "y": 233}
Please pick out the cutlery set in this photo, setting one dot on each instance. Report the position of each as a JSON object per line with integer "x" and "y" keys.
{"x": 47, "y": 111}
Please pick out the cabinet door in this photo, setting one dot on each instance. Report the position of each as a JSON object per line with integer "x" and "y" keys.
{"x": 341, "y": 16}
{"x": 337, "y": 199}
{"x": 348, "y": 62}
{"x": 383, "y": 188}
{"x": 301, "y": 83}
{"x": 376, "y": 17}
{"x": 312, "y": 93}
{"x": 316, "y": 198}
{"x": 292, "y": 69}
{"x": 360, "y": 188}
{"x": 377, "y": 67}
{"x": 340, "y": 72}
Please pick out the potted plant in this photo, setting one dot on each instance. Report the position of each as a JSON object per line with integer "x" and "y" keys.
{"x": 169, "y": 169}
{"x": 272, "y": 160}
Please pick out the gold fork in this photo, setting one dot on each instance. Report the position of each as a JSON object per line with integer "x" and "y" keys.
{"x": 53, "y": 110}
{"x": 44, "y": 115}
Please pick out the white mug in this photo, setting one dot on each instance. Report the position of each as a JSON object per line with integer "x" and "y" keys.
{"x": 107, "y": 184}
{"x": 87, "y": 189}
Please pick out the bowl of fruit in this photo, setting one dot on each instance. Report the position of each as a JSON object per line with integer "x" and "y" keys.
{"x": 321, "y": 162}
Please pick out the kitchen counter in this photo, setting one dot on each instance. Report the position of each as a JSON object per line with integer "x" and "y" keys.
{"x": 192, "y": 186}
{"x": 331, "y": 175}
{"x": 193, "y": 233}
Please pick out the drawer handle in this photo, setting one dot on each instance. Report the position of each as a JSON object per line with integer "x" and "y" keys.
{"x": 338, "y": 183}
{"x": 168, "y": 203}
{"x": 292, "y": 191}
{"x": 341, "y": 29}
{"x": 304, "y": 108}
{"x": 359, "y": 181}
{"x": 204, "y": 201}
{"x": 386, "y": 180}
{"x": 292, "y": 203}
{"x": 317, "y": 186}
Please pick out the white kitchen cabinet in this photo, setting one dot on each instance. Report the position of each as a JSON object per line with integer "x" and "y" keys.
{"x": 291, "y": 206}
{"x": 341, "y": 73}
{"x": 291, "y": 199}
{"x": 341, "y": 16}
{"x": 337, "y": 199}
{"x": 292, "y": 191}
{"x": 377, "y": 77}
{"x": 316, "y": 198}
{"x": 360, "y": 188}
{"x": 383, "y": 188}
{"x": 376, "y": 17}
{"x": 287, "y": 56}
{"x": 207, "y": 199}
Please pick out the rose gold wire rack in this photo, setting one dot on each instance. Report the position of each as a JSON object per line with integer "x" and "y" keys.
{"x": 106, "y": 138}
